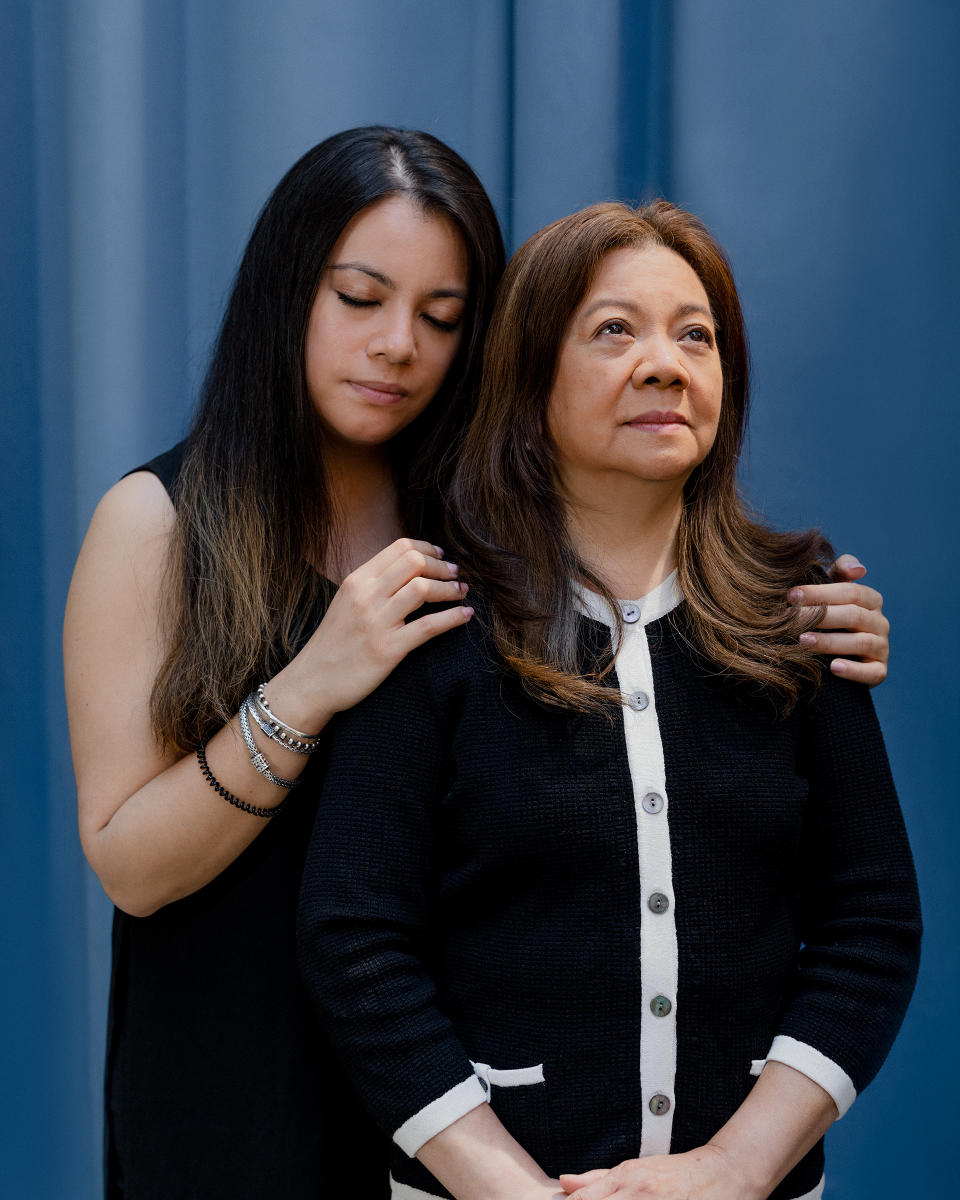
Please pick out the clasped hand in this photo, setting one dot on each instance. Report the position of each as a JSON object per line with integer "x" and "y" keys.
{"x": 705, "y": 1173}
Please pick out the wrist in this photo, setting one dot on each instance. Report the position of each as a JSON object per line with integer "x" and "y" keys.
{"x": 747, "y": 1179}
{"x": 298, "y": 702}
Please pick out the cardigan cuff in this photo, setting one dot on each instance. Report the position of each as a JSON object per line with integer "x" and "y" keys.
{"x": 816, "y": 1066}
{"x": 438, "y": 1114}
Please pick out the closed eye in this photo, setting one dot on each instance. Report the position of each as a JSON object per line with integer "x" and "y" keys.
{"x": 443, "y": 326}
{"x": 354, "y": 302}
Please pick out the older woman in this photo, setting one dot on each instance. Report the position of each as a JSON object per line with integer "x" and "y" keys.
{"x": 585, "y": 868}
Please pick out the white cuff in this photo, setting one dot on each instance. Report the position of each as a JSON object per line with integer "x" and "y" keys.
{"x": 438, "y": 1114}
{"x": 816, "y": 1066}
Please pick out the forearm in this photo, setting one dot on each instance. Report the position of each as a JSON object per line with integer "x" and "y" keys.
{"x": 782, "y": 1118}
{"x": 175, "y": 833}
{"x": 475, "y": 1158}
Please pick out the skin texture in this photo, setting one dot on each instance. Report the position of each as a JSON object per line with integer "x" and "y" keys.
{"x": 151, "y": 827}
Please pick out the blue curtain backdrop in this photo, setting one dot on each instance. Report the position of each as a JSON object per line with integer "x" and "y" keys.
{"x": 820, "y": 141}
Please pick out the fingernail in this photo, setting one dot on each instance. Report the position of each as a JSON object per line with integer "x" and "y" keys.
{"x": 464, "y": 588}
{"x": 808, "y": 639}
{"x": 838, "y": 666}
{"x": 795, "y": 595}
{"x": 439, "y": 550}
{"x": 467, "y": 613}
{"x": 453, "y": 569}
{"x": 851, "y": 560}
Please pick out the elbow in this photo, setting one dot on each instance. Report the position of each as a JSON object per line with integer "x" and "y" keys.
{"x": 125, "y": 888}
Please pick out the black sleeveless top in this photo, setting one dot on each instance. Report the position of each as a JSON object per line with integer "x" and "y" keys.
{"x": 218, "y": 1082}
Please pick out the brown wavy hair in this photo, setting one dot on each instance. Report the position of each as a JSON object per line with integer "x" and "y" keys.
{"x": 240, "y": 595}
{"x": 507, "y": 514}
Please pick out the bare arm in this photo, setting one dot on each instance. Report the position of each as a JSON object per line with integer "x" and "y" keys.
{"x": 151, "y": 827}
{"x": 783, "y": 1117}
{"x": 476, "y": 1159}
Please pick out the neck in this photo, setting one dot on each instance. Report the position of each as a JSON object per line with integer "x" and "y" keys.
{"x": 365, "y": 505}
{"x": 626, "y": 532}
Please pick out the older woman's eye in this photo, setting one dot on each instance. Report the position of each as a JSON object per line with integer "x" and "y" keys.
{"x": 614, "y": 327}
{"x": 700, "y": 334}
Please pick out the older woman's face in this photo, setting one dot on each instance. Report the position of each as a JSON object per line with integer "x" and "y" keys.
{"x": 639, "y": 382}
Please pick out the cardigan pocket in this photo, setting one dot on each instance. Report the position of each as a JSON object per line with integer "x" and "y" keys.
{"x": 520, "y": 1099}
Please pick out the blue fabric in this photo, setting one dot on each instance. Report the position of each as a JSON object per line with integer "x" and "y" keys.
{"x": 819, "y": 141}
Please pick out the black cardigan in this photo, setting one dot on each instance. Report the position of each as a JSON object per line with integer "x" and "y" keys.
{"x": 473, "y": 895}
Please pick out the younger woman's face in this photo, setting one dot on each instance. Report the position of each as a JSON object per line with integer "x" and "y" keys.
{"x": 387, "y": 320}
{"x": 639, "y": 381}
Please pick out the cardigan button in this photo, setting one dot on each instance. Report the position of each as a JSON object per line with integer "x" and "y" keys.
{"x": 660, "y": 1006}
{"x": 658, "y": 903}
{"x": 659, "y": 1104}
{"x": 652, "y": 803}
{"x": 638, "y": 701}
{"x": 630, "y": 613}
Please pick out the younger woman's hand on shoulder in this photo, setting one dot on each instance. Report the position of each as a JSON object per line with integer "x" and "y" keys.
{"x": 853, "y": 627}
{"x": 701, "y": 1174}
{"x": 365, "y": 633}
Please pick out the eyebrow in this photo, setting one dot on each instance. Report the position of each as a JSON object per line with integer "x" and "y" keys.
{"x": 437, "y": 293}
{"x": 683, "y": 310}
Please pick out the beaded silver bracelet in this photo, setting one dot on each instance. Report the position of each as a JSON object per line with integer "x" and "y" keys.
{"x": 256, "y": 755}
{"x": 253, "y": 709}
{"x": 293, "y": 739}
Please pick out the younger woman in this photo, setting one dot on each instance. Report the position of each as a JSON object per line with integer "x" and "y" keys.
{"x": 348, "y": 356}
{"x": 585, "y": 868}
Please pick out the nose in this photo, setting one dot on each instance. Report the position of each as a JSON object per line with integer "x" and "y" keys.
{"x": 394, "y": 338}
{"x": 661, "y": 365}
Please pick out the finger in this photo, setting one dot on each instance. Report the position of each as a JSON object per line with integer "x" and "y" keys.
{"x": 853, "y": 618}
{"x": 595, "y": 1191}
{"x": 411, "y": 564}
{"x": 415, "y": 633}
{"x": 568, "y": 1181}
{"x": 836, "y": 593}
{"x": 870, "y": 673}
{"x": 847, "y": 566}
{"x": 420, "y": 591}
{"x": 868, "y": 646}
{"x": 389, "y": 554}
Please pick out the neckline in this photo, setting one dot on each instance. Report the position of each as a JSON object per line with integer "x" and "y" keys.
{"x": 651, "y": 607}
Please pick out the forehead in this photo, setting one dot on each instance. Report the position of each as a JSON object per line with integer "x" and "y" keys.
{"x": 646, "y": 276}
{"x": 396, "y": 231}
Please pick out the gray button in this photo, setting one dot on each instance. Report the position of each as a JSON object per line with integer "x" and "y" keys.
{"x": 652, "y": 803}
{"x": 630, "y": 613}
{"x": 638, "y": 701}
{"x": 659, "y": 1104}
{"x": 660, "y": 1006}
{"x": 658, "y": 903}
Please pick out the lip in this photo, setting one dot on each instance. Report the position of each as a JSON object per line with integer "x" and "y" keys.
{"x": 374, "y": 391}
{"x": 656, "y": 419}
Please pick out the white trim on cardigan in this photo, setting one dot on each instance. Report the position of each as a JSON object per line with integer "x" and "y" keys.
{"x": 812, "y": 1063}
{"x": 659, "y": 956}
{"x": 438, "y": 1114}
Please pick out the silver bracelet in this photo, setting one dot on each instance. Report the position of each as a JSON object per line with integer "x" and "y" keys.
{"x": 253, "y": 710}
{"x": 256, "y": 756}
{"x": 292, "y": 738}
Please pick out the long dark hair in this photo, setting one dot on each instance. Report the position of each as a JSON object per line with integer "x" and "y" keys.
{"x": 241, "y": 594}
{"x": 507, "y": 514}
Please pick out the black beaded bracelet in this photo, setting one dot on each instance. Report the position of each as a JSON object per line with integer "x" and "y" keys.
{"x": 229, "y": 796}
